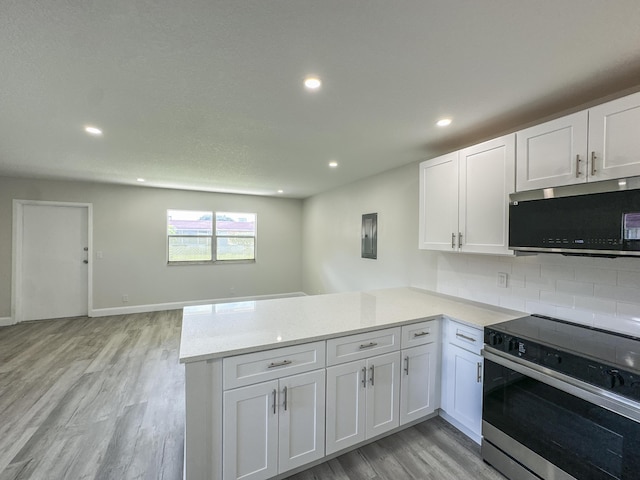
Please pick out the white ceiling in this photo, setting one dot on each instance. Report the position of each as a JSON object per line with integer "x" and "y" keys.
{"x": 208, "y": 95}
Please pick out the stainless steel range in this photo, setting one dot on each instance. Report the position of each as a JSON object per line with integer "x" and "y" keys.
{"x": 561, "y": 401}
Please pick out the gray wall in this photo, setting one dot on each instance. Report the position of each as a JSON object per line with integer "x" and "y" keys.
{"x": 331, "y": 233}
{"x": 129, "y": 227}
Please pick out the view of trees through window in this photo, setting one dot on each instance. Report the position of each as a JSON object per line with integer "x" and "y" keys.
{"x": 193, "y": 238}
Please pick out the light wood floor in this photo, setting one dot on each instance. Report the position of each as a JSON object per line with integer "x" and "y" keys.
{"x": 103, "y": 398}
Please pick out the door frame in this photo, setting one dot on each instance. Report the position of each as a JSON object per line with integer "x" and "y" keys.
{"x": 17, "y": 314}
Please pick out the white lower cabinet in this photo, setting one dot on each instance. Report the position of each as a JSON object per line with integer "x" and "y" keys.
{"x": 419, "y": 385}
{"x": 274, "y": 426}
{"x": 462, "y": 378}
{"x": 362, "y": 400}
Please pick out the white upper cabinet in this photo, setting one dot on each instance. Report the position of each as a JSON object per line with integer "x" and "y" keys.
{"x": 600, "y": 143}
{"x": 464, "y": 198}
{"x": 439, "y": 203}
{"x": 614, "y": 139}
{"x": 553, "y": 153}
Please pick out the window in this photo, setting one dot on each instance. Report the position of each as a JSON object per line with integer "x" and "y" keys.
{"x": 192, "y": 237}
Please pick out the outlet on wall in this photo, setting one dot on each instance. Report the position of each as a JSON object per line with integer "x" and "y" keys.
{"x": 502, "y": 279}
{"x": 125, "y": 298}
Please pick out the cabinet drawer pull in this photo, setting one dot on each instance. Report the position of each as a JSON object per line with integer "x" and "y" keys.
{"x": 578, "y": 172}
{"x": 274, "y": 401}
{"x": 279, "y": 364}
{"x": 479, "y": 372}
{"x": 368, "y": 345}
{"x": 406, "y": 365}
{"x": 373, "y": 375}
{"x": 453, "y": 240}
{"x": 459, "y": 239}
{"x": 364, "y": 377}
{"x": 462, "y": 335}
{"x": 420, "y": 334}
{"x": 593, "y": 163}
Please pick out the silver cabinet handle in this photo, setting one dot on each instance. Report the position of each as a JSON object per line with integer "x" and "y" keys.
{"x": 459, "y": 239}
{"x": 406, "y": 365}
{"x": 373, "y": 375}
{"x": 462, "y": 335}
{"x": 285, "y": 398}
{"x": 420, "y": 334}
{"x": 593, "y": 163}
{"x": 364, "y": 377}
{"x": 279, "y": 364}
{"x": 479, "y": 372}
{"x": 368, "y": 345}
{"x": 274, "y": 401}
{"x": 578, "y": 172}
{"x": 453, "y": 240}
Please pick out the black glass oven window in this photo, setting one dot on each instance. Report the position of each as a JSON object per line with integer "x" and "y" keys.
{"x": 585, "y": 440}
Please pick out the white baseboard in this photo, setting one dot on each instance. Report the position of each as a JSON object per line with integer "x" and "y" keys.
{"x": 6, "y": 321}
{"x": 105, "y": 312}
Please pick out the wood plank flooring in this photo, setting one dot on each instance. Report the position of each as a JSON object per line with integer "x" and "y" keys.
{"x": 103, "y": 398}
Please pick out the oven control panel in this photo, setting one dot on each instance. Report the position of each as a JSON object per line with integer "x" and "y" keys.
{"x": 604, "y": 376}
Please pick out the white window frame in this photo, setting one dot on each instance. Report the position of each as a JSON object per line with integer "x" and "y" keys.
{"x": 213, "y": 238}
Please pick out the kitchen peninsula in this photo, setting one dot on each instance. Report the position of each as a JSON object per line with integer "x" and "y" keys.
{"x": 264, "y": 377}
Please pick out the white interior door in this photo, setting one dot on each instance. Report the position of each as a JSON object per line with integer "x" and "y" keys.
{"x": 54, "y": 261}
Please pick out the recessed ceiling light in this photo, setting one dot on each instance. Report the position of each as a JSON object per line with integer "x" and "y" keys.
{"x": 95, "y": 131}
{"x": 312, "y": 83}
{"x": 140, "y": 180}
{"x": 333, "y": 164}
{"x": 444, "y": 122}
{"x": 280, "y": 191}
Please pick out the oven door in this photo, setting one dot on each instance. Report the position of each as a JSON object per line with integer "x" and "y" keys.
{"x": 556, "y": 433}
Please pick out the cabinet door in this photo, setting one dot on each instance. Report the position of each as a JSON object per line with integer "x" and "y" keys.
{"x": 301, "y": 419}
{"x": 614, "y": 139}
{"x": 439, "y": 203}
{"x": 486, "y": 180}
{"x": 346, "y": 403}
{"x": 383, "y": 393}
{"x": 250, "y": 432}
{"x": 464, "y": 388}
{"x": 553, "y": 153}
{"x": 419, "y": 395}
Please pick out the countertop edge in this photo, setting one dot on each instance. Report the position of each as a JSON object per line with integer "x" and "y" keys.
{"x": 435, "y": 313}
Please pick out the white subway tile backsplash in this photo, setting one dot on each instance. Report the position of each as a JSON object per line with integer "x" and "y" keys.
{"x": 541, "y": 308}
{"x": 574, "y": 288}
{"x": 513, "y": 303}
{"x": 516, "y": 282}
{"x": 525, "y": 269}
{"x": 629, "y": 279}
{"x": 599, "y": 291}
{"x": 628, "y": 310}
{"x": 528, "y": 293}
{"x": 557, "y": 272}
{"x": 624, "y": 294}
{"x": 596, "y": 305}
{"x": 576, "y": 315}
{"x": 596, "y": 275}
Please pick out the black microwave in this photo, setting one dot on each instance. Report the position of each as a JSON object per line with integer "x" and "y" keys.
{"x": 595, "y": 224}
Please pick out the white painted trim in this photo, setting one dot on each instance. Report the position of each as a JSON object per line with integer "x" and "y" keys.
{"x": 104, "y": 312}
{"x": 6, "y": 321}
{"x": 16, "y": 256}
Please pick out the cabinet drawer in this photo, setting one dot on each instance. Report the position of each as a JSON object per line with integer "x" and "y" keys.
{"x": 363, "y": 345}
{"x": 257, "y": 367}
{"x": 420, "y": 333}
{"x": 464, "y": 336}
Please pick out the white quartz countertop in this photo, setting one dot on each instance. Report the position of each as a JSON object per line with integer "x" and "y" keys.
{"x": 225, "y": 329}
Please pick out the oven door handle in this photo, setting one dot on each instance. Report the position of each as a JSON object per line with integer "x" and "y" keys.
{"x": 590, "y": 393}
